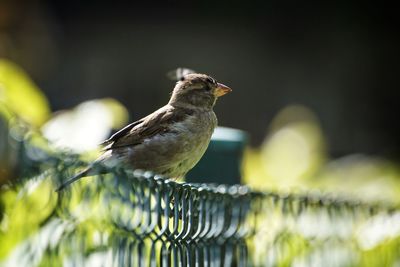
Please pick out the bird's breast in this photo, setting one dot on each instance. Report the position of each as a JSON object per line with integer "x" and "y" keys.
{"x": 176, "y": 151}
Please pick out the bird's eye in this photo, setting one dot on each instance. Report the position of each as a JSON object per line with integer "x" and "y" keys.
{"x": 210, "y": 80}
{"x": 210, "y": 83}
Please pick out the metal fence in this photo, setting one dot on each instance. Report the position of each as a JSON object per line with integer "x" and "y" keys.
{"x": 157, "y": 222}
{"x": 138, "y": 219}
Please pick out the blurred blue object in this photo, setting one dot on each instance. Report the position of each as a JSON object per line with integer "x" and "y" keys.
{"x": 223, "y": 159}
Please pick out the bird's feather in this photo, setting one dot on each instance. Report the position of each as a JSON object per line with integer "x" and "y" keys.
{"x": 120, "y": 133}
{"x": 76, "y": 177}
{"x": 156, "y": 123}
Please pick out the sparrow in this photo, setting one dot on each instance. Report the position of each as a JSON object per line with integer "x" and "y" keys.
{"x": 171, "y": 140}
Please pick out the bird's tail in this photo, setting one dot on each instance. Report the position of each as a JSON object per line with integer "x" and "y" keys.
{"x": 82, "y": 174}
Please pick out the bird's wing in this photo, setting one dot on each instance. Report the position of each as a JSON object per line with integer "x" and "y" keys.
{"x": 121, "y": 133}
{"x": 159, "y": 121}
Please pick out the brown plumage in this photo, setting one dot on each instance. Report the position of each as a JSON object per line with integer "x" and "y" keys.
{"x": 171, "y": 140}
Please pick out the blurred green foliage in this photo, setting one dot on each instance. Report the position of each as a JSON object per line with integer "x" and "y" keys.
{"x": 21, "y": 95}
{"x": 294, "y": 157}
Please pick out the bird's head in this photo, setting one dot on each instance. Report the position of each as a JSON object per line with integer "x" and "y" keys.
{"x": 198, "y": 90}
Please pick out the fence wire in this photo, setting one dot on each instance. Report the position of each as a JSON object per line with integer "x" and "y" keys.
{"x": 157, "y": 222}
{"x": 140, "y": 219}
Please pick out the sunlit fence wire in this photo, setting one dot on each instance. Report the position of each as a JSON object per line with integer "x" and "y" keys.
{"x": 138, "y": 219}
{"x": 159, "y": 222}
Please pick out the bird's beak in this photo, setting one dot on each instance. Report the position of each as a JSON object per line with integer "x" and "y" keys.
{"x": 221, "y": 90}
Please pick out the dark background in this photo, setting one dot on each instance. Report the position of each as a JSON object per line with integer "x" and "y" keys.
{"x": 341, "y": 59}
